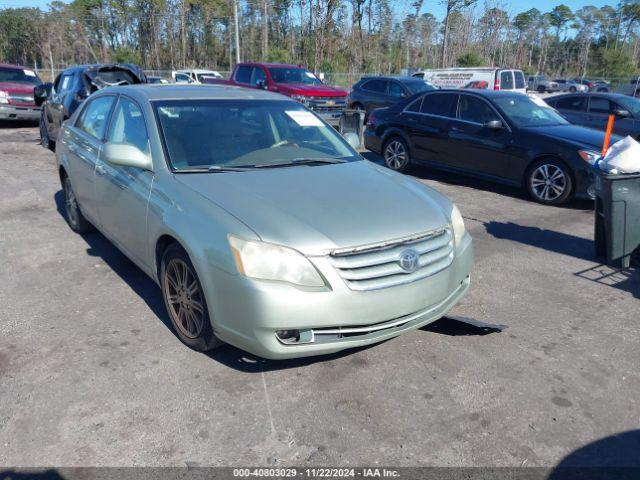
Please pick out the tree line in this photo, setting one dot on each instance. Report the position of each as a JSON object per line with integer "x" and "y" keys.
{"x": 350, "y": 36}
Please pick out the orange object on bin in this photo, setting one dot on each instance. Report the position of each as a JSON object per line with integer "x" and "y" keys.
{"x": 607, "y": 135}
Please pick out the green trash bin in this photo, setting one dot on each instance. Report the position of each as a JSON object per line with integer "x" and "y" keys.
{"x": 617, "y": 217}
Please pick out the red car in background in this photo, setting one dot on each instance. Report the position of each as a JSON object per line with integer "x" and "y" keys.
{"x": 294, "y": 81}
{"x": 16, "y": 93}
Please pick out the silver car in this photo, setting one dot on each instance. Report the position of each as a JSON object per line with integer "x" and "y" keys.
{"x": 262, "y": 226}
{"x": 570, "y": 86}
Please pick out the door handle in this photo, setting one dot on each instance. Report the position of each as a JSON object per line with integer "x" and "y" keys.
{"x": 100, "y": 170}
{"x": 456, "y": 129}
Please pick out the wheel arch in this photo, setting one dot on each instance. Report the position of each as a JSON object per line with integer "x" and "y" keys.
{"x": 162, "y": 243}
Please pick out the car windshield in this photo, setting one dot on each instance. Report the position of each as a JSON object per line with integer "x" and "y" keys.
{"x": 419, "y": 87}
{"x": 19, "y": 75}
{"x": 524, "y": 112}
{"x": 293, "y": 75}
{"x": 211, "y": 135}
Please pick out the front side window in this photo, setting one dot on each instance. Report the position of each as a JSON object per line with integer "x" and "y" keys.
{"x": 94, "y": 117}
{"x": 524, "y": 112}
{"x": 395, "y": 90}
{"x": 441, "y": 104}
{"x": 245, "y": 134}
{"x": 474, "y": 109}
{"x": 599, "y": 105}
{"x": 293, "y": 75}
{"x": 258, "y": 75}
{"x": 128, "y": 125}
{"x": 65, "y": 82}
{"x": 19, "y": 75}
{"x": 506, "y": 80}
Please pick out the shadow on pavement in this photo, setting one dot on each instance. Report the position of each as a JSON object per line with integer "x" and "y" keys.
{"x": 27, "y": 474}
{"x": 462, "y": 326}
{"x": 611, "y": 458}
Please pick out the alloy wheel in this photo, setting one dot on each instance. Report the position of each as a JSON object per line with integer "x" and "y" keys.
{"x": 71, "y": 203}
{"x": 548, "y": 182}
{"x": 184, "y": 298}
{"x": 395, "y": 155}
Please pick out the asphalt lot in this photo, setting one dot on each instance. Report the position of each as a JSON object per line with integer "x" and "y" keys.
{"x": 91, "y": 374}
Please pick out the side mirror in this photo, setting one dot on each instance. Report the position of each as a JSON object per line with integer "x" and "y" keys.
{"x": 126, "y": 155}
{"x": 82, "y": 94}
{"x": 261, "y": 84}
{"x": 622, "y": 113}
{"x": 493, "y": 124}
{"x": 352, "y": 139}
{"x": 41, "y": 93}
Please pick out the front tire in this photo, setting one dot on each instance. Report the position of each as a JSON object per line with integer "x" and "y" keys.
{"x": 541, "y": 89}
{"x": 185, "y": 301}
{"x": 396, "y": 154}
{"x": 73, "y": 215}
{"x": 549, "y": 181}
{"x": 572, "y": 89}
{"x": 45, "y": 141}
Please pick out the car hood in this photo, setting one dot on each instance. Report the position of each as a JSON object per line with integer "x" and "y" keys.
{"x": 311, "y": 90}
{"x": 574, "y": 134}
{"x": 318, "y": 208}
{"x": 15, "y": 87}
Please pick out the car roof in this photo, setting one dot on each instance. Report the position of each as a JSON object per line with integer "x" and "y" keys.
{"x": 399, "y": 78}
{"x": 17, "y": 67}
{"x": 271, "y": 65}
{"x": 479, "y": 91}
{"x": 173, "y": 91}
{"x": 196, "y": 70}
{"x": 612, "y": 96}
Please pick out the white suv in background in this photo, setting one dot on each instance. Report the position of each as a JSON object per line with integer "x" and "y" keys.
{"x": 193, "y": 75}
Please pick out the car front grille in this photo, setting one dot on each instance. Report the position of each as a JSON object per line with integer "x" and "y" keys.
{"x": 378, "y": 266}
{"x": 327, "y": 104}
{"x": 20, "y": 98}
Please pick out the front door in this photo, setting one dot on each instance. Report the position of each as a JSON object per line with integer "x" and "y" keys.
{"x": 599, "y": 110}
{"x": 474, "y": 145}
{"x": 123, "y": 192}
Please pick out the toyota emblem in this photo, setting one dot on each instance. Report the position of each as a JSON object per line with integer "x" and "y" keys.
{"x": 409, "y": 260}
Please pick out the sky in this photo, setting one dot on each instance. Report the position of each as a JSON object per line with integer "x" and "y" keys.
{"x": 435, "y": 7}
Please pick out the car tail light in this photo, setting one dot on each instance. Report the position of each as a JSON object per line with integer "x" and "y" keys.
{"x": 496, "y": 84}
{"x": 371, "y": 121}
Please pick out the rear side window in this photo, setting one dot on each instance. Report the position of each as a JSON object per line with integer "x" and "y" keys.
{"x": 377, "y": 86}
{"x": 93, "y": 119}
{"x": 243, "y": 75}
{"x": 258, "y": 75}
{"x": 570, "y": 103}
{"x": 474, "y": 109}
{"x": 600, "y": 105}
{"x": 519, "y": 77}
{"x": 415, "y": 106}
{"x": 506, "y": 80}
{"x": 441, "y": 104}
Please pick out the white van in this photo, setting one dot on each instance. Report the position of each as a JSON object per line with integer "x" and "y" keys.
{"x": 488, "y": 78}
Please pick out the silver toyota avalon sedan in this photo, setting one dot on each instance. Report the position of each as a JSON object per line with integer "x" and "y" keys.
{"x": 262, "y": 226}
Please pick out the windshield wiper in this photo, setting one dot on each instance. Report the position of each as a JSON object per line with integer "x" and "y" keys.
{"x": 213, "y": 169}
{"x": 303, "y": 161}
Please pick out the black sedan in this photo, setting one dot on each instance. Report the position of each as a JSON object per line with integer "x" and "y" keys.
{"x": 62, "y": 97}
{"x": 376, "y": 92}
{"x": 593, "y": 110}
{"x": 506, "y": 137}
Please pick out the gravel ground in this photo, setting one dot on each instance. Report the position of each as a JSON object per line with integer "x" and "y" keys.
{"x": 539, "y": 360}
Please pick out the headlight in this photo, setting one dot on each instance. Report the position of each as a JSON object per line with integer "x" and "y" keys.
{"x": 267, "y": 261}
{"x": 458, "y": 225}
{"x": 589, "y": 156}
{"x": 300, "y": 98}
{"x": 4, "y": 97}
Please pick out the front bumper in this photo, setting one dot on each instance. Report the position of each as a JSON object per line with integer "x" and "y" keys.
{"x": 13, "y": 112}
{"x": 247, "y": 313}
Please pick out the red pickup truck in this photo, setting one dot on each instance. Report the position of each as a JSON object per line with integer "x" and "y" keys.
{"x": 16, "y": 93}
{"x": 296, "y": 82}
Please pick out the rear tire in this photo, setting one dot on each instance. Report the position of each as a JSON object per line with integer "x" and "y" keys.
{"x": 396, "y": 154}
{"x": 572, "y": 89}
{"x": 73, "y": 214}
{"x": 549, "y": 181}
{"x": 185, "y": 301}
{"x": 541, "y": 89}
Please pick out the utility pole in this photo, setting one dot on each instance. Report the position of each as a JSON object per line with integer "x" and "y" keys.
{"x": 235, "y": 21}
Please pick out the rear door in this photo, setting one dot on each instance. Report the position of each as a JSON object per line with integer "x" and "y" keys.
{"x": 507, "y": 81}
{"x": 431, "y": 134}
{"x": 376, "y": 94}
{"x": 86, "y": 138}
{"x": 474, "y": 146}
{"x": 395, "y": 92}
{"x": 60, "y": 98}
{"x": 122, "y": 192}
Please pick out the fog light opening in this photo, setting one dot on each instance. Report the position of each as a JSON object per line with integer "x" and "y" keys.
{"x": 295, "y": 337}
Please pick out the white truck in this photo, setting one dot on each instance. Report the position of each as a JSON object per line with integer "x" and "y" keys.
{"x": 194, "y": 75}
{"x": 481, "y": 77}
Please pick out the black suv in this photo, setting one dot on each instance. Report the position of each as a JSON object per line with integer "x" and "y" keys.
{"x": 71, "y": 87}
{"x": 376, "y": 92}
